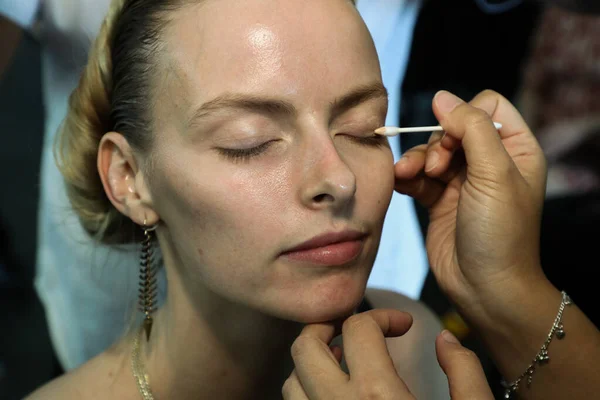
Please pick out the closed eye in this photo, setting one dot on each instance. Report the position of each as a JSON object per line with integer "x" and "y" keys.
{"x": 242, "y": 155}
{"x": 369, "y": 140}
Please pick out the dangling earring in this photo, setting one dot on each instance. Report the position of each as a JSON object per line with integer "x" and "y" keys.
{"x": 147, "y": 290}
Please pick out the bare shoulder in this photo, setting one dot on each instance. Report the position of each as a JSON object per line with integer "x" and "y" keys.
{"x": 103, "y": 377}
{"x": 63, "y": 387}
{"x": 414, "y": 353}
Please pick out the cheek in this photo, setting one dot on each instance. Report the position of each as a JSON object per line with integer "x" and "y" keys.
{"x": 259, "y": 194}
{"x": 219, "y": 216}
{"x": 374, "y": 171}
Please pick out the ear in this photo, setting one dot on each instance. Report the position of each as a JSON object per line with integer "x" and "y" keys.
{"x": 124, "y": 183}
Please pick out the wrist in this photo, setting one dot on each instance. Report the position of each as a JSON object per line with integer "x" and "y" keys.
{"x": 510, "y": 301}
{"x": 513, "y": 321}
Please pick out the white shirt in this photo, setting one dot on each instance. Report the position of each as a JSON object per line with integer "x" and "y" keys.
{"x": 401, "y": 264}
{"x": 19, "y": 11}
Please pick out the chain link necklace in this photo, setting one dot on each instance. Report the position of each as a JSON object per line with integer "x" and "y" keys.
{"x": 139, "y": 371}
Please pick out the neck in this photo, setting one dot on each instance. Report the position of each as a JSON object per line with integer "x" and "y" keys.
{"x": 214, "y": 348}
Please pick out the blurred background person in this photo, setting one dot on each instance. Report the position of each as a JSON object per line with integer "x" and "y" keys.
{"x": 75, "y": 280}
{"x": 560, "y": 98}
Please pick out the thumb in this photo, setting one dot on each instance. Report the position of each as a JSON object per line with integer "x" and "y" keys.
{"x": 480, "y": 139}
{"x": 463, "y": 369}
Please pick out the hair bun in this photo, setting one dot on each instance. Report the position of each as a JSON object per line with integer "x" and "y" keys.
{"x": 76, "y": 146}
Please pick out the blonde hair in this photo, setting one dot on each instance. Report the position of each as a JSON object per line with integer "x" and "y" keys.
{"x": 112, "y": 95}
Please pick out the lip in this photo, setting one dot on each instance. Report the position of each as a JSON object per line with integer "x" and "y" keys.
{"x": 333, "y": 248}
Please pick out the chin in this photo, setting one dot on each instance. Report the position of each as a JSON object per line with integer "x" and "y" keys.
{"x": 323, "y": 302}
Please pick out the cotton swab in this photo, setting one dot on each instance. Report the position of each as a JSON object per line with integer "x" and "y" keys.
{"x": 393, "y": 131}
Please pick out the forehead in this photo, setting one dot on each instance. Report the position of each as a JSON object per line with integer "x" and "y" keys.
{"x": 309, "y": 50}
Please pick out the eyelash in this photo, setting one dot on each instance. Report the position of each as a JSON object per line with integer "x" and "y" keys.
{"x": 247, "y": 154}
{"x": 373, "y": 140}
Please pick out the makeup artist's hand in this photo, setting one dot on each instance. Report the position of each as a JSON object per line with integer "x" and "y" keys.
{"x": 372, "y": 374}
{"x": 484, "y": 190}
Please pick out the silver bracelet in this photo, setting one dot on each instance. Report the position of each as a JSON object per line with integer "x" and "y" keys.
{"x": 542, "y": 356}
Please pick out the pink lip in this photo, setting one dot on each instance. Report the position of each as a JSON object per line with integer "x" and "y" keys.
{"x": 329, "y": 249}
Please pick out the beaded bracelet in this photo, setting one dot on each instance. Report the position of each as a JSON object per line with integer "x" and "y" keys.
{"x": 542, "y": 356}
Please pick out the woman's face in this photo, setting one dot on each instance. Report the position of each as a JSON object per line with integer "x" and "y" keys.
{"x": 264, "y": 119}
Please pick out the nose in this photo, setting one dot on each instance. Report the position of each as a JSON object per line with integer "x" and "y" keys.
{"x": 328, "y": 182}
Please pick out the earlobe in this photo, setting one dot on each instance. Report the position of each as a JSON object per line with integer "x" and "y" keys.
{"x": 120, "y": 175}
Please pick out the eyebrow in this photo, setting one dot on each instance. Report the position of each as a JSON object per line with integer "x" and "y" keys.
{"x": 357, "y": 96}
{"x": 277, "y": 107}
{"x": 243, "y": 102}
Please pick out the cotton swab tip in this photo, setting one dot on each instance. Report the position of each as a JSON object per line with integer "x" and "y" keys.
{"x": 387, "y": 131}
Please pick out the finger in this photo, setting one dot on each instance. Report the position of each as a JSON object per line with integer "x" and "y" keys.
{"x": 411, "y": 163}
{"x": 501, "y": 110}
{"x": 317, "y": 367}
{"x": 427, "y": 191}
{"x": 456, "y": 167}
{"x": 438, "y": 156}
{"x": 449, "y": 143}
{"x": 292, "y": 388}
{"x": 365, "y": 346}
{"x": 482, "y": 144}
{"x": 325, "y": 331}
{"x": 516, "y": 136}
{"x": 435, "y": 137}
{"x": 463, "y": 369}
{"x": 337, "y": 352}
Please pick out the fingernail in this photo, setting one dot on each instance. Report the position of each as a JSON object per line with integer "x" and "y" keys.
{"x": 449, "y": 337}
{"x": 432, "y": 161}
{"x": 446, "y": 101}
{"x": 403, "y": 159}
